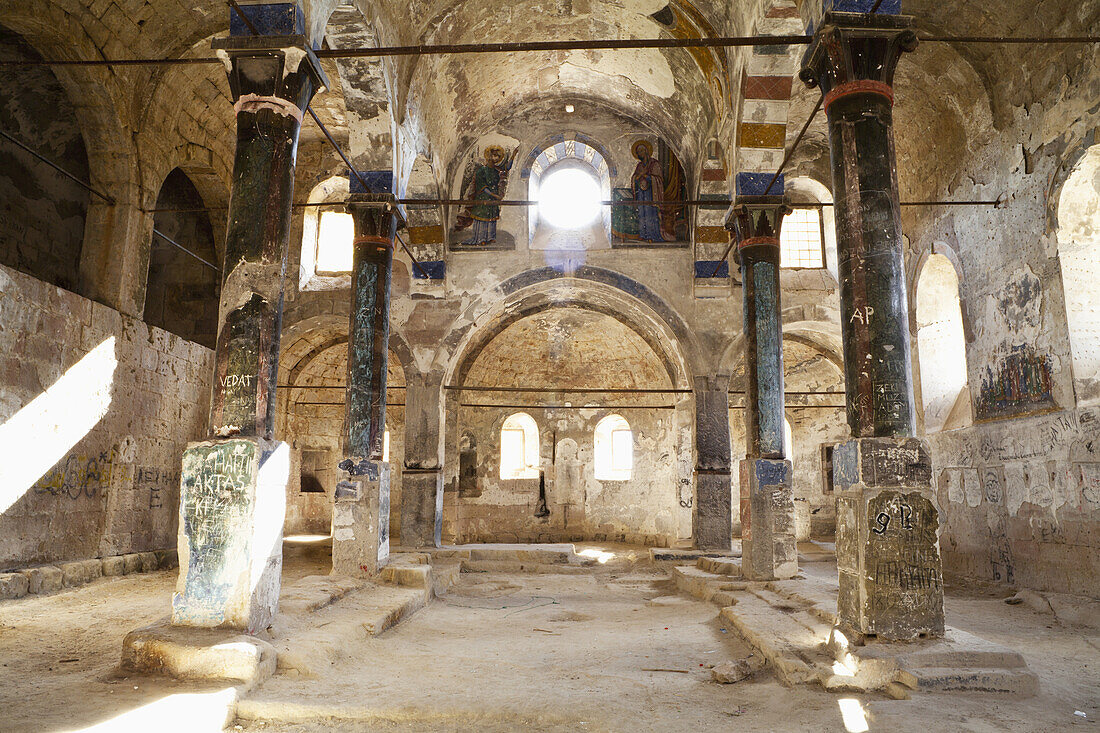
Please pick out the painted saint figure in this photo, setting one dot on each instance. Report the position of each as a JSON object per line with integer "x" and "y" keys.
{"x": 648, "y": 184}
{"x": 488, "y": 184}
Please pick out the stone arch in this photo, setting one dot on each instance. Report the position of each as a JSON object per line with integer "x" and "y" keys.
{"x": 181, "y": 292}
{"x": 590, "y": 288}
{"x": 111, "y": 259}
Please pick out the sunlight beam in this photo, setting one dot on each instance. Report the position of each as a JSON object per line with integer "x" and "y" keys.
{"x": 34, "y": 439}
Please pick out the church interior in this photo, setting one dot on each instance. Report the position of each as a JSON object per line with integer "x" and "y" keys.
{"x": 550, "y": 365}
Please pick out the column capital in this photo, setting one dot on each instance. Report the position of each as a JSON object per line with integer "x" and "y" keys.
{"x": 756, "y": 221}
{"x": 376, "y": 215}
{"x": 857, "y": 53}
{"x": 270, "y": 70}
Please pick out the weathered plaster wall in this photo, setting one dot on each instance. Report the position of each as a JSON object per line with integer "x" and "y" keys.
{"x": 42, "y": 212}
{"x": 1017, "y": 491}
{"x": 557, "y": 348}
{"x": 1020, "y": 501}
{"x": 95, "y": 410}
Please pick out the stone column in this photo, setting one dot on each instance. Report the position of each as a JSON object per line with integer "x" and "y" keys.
{"x": 422, "y": 477}
{"x": 361, "y": 516}
{"x": 233, "y": 486}
{"x": 713, "y": 506}
{"x": 887, "y": 522}
{"x": 768, "y": 549}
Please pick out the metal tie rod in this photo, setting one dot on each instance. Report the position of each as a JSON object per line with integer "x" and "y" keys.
{"x": 464, "y": 48}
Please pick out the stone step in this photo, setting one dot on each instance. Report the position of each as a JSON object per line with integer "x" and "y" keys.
{"x": 706, "y": 586}
{"x": 412, "y": 576}
{"x": 1021, "y": 681}
{"x": 817, "y": 596}
{"x": 788, "y": 642}
{"x": 719, "y": 565}
{"x": 519, "y": 566}
{"x": 563, "y": 553}
{"x": 309, "y": 645}
{"x": 670, "y": 554}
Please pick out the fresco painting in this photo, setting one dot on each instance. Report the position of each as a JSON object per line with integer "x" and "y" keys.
{"x": 1021, "y": 383}
{"x": 658, "y": 178}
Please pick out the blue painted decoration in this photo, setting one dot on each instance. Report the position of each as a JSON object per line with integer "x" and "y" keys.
{"x": 704, "y": 268}
{"x": 270, "y": 19}
{"x": 436, "y": 269}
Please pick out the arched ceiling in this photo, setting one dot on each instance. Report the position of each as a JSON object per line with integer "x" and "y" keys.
{"x": 568, "y": 347}
{"x": 446, "y": 102}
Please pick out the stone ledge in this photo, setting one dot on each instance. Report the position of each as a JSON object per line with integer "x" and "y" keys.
{"x": 43, "y": 579}
{"x": 191, "y": 653}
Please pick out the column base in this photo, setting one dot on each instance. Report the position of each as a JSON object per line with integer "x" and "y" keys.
{"x": 422, "y": 507}
{"x": 232, "y": 508}
{"x": 361, "y": 519}
{"x": 887, "y": 539}
{"x": 713, "y": 510}
{"x": 768, "y": 548}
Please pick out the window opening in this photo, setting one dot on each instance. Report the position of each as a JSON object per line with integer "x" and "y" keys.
{"x": 336, "y": 232}
{"x": 801, "y": 241}
{"x": 569, "y": 198}
{"x": 519, "y": 447}
{"x": 614, "y": 449}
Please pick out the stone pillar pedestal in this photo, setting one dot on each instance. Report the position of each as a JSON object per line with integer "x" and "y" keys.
{"x": 887, "y": 527}
{"x": 232, "y": 507}
{"x": 713, "y": 506}
{"x": 422, "y": 507}
{"x": 768, "y": 548}
{"x": 361, "y": 519}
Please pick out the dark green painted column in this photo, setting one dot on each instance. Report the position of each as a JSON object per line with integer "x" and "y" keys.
{"x": 376, "y": 221}
{"x": 272, "y": 79}
{"x": 768, "y": 549}
{"x": 755, "y": 224}
{"x": 852, "y": 61}
{"x": 888, "y": 557}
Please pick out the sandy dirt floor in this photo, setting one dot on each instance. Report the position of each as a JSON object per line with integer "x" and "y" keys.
{"x": 507, "y": 652}
{"x": 59, "y": 653}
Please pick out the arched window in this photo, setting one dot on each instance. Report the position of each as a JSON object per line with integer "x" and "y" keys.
{"x": 327, "y": 234}
{"x": 614, "y": 449}
{"x": 568, "y": 178}
{"x": 941, "y": 346}
{"x": 519, "y": 447}
{"x": 386, "y": 446}
{"x": 808, "y": 236}
{"x": 1079, "y": 257}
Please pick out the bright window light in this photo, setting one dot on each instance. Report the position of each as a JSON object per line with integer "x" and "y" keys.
{"x": 800, "y": 239}
{"x": 386, "y": 447}
{"x": 569, "y": 198}
{"x": 614, "y": 449}
{"x": 334, "y": 239}
{"x": 519, "y": 447}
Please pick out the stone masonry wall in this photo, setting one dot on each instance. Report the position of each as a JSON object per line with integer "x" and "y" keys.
{"x": 95, "y": 410}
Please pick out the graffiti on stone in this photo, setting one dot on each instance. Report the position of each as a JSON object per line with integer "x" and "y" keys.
{"x": 157, "y": 483}
{"x": 215, "y": 508}
{"x": 79, "y": 475}
{"x": 1089, "y": 474}
{"x": 992, "y": 486}
{"x": 904, "y": 575}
